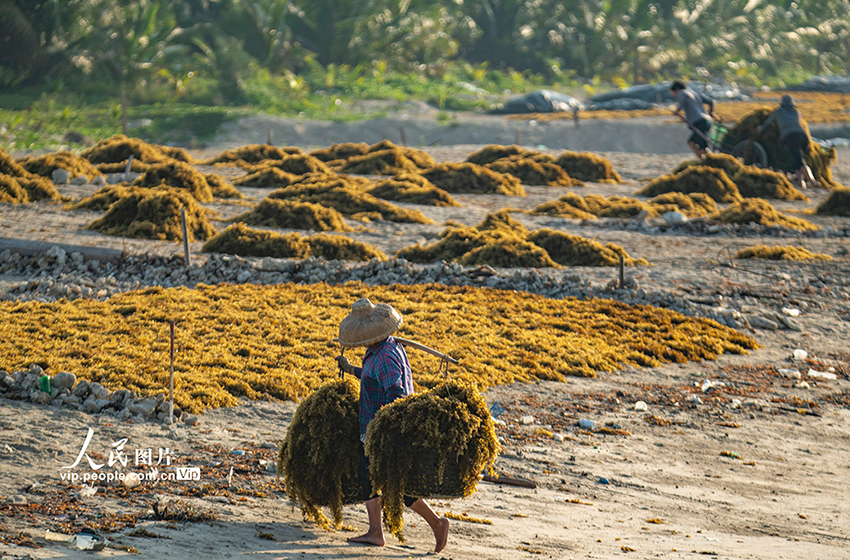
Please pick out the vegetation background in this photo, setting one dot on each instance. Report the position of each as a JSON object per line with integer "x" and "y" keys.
{"x": 186, "y": 65}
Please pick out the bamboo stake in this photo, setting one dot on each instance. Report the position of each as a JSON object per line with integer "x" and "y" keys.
{"x": 185, "y": 236}
{"x": 171, "y": 382}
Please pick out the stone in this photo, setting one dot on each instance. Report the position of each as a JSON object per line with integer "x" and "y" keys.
{"x": 99, "y": 391}
{"x": 80, "y": 180}
{"x": 60, "y": 176}
{"x": 90, "y": 405}
{"x": 64, "y": 380}
{"x": 99, "y": 181}
{"x": 675, "y": 218}
{"x": 144, "y": 407}
{"x": 120, "y": 396}
{"x": 82, "y": 388}
{"x": 191, "y": 419}
{"x": 40, "y": 397}
{"x": 762, "y": 323}
{"x": 124, "y": 414}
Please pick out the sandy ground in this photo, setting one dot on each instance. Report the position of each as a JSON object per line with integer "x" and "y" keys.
{"x": 753, "y": 468}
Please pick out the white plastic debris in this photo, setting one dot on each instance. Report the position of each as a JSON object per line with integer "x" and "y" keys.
{"x": 736, "y": 403}
{"x": 802, "y": 385}
{"x": 790, "y": 373}
{"x": 695, "y": 399}
{"x": 800, "y": 354}
{"x": 821, "y": 374}
{"x": 641, "y": 406}
{"x": 88, "y": 491}
{"x": 558, "y": 437}
{"x": 791, "y": 311}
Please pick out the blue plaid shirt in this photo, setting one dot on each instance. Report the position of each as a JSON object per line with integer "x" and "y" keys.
{"x": 385, "y": 377}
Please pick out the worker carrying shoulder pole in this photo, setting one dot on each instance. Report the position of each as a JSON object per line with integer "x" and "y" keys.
{"x": 692, "y": 102}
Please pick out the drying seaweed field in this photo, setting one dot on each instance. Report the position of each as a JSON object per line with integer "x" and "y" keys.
{"x": 665, "y": 416}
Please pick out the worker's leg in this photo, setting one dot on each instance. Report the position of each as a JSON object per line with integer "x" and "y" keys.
{"x": 697, "y": 150}
{"x": 375, "y": 535}
{"x": 440, "y": 525}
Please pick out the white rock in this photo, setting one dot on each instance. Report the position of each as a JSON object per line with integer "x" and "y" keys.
{"x": 144, "y": 407}
{"x": 641, "y": 406}
{"x": 790, "y": 373}
{"x": 821, "y": 374}
{"x": 800, "y": 354}
{"x": 675, "y": 218}
{"x": 525, "y": 420}
{"x": 802, "y": 385}
{"x": 791, "y": 311}
{"x": 99, "y": 181}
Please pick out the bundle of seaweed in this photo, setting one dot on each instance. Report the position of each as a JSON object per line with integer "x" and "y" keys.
{"x": 239, "y": 239}
{"x": 296, "y": 164}
{"x": 319, "y": 458}
{"x": 494, "y": 152}
{"x": 778, "y": 156}
{"x": 383, "y": 162}
{"x": 420, "y": 159}
{"x": 623, "y": 207}
{"x": 837, "y": 203}
{"x": 268, "y": 178}
{"x": 501, "y": 220}
{"x": 45, "y": 165}
{"x": 221, "y": 188}
{"x": 11, "y": 190}
{"x": 753, "y": 182}
{"x": 105, "y": 197}
{"x": 694, "y": 205}
{"x": 586, "y": 166}
{"x": 252, "y": 154}
{"x": 780, "y": 253}
{"x": 730, "y": 165}
{"x": 762, "y": 212}
{"x": 119, "y": 148}
{"x": 569, "y": 205}
{"x": 293, "y": 214}
{"x": 177, "y": 175}
{"x": 573, "y": 250}
{"x": 340, "y": 151}
{"x": 349, "y": 201}
{"x": 136, "y": 166}
{"x": 507, "y": 251}
{"x": 39, "y": 188}
{"x": 414, "y": 189}
{"x": 695, "y": 179}
{"x": 155, "y": 214}
{"x": 8, "y": 165}
{"x": 474, "y": 179}
{"x": 434, "y": 443}
{"x": 531, "y": 172}
{"x": 16, "y": 178}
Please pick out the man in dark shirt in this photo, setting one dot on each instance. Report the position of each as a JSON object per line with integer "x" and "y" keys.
{"x": 691, "y": 102}
{"x": 791, "y": 132}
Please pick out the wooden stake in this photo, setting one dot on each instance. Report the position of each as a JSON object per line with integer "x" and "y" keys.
{"x": 128, "y": 168}
{"x": 171, "y": 384}
{"x": 517, "y": 138}
{"x": 185, "y": 236}
{"x": 270, "y": 138}
{"x": 622, "y": 283}
{"x": 403, "y": 138}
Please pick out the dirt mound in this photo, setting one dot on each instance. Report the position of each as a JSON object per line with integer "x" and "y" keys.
{"x": 694, "y": 205}
{"x": 177, "y": 175}
{"x": 413, "y": 189}
{"x": 761, "y": 212}
{"x": 221, "y": 188}
{"x": 531, "y": 172}
{"x": 837, "y": 203}
{"x": 155, "y": 214}
{"x": 267, "y": 178}
{"x": 573, "y": 250}
{"x": 695, "y": 179}
{"x": 119, "y": 148}
{"x": 337, "y": 193}
{"x": 291, "y": 214}
{"x": 585, "y": 166}
{"x": 45, "y": 165}
{"x": 252, "y": 154}
{"x": 780, "y": 253}
{"x": 239, "y": 239}
{"x": 778, "y": 156}
{"x": 473, "y": 179}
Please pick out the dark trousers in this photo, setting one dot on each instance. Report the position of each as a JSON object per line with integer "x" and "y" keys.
{"x": 798, "y": 144}
{"x": 366, "y": 482}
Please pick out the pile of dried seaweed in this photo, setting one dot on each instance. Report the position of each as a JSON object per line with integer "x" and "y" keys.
{"x": 780, "y": 253}
{"x": 267, "y": 178}
{"x": 119, "y": 148}
{"x": 435, "y": 443}
{"x": 105, "y": 197}
{"x": 531, "y": 172}
{"x": 501, "y": 241}
{"x": 837, "y": 203}
{"x": 293, "y": 214}
{"x": 693, "y": 205}
{"x": 383, "y": 162}
{"x": 494, "y": 152}
{"x": 177, "y": 175}
{"x": 296, "y": 164}
{"x": 574, "y": 206}
{"x": 761, "y": 212}
{"x": 586, "y": 166}
{"x": 252, "y": 154}
{"x": 221, "y": 188}
{"x": 136, "y": 166}
{"x": 319, "y": 458}
{"x": 155, "y": 214}
{"x": 696, "y": 179}
{"x": 341, "y": 151}
{"x": 412, "y": 188}
{"x": 473, "y": 179}
{"x": 778, "y": 156}
{"x": 45, "y": 165}
{"x": 20, "y": 186}
{"x": 751, "y": 181}
{"x": 727, "y": 163}
{"x": 239, "y": 239}
{"x": 273, "y": 341}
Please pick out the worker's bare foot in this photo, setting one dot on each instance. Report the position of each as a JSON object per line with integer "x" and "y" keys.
{"x": 442, "y": 534}
{"x": 372, "y": 538}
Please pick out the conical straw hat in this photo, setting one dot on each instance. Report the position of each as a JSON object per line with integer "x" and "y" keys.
{"x": 368, "y": 323}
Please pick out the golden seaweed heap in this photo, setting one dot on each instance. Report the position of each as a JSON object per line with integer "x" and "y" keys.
{"x": 778, "y": 156}
{"x": 761, "y": 212}
{"x": 693, "y": 205}
{"x": 319, "y": 458}
{"x": 296, "y": 164}
{"x": 695, "y": 179}
{"x": 837, "y": 203}
{"x": 431, "y": 444}
{"x": 177, "y": 175}
{"x": 221, "y": 188}
{"x": 155, "y": 214}
{"x": 239, "y": 239}
{"x": 586, "y": 166}
{"x": 266, "y": 178}
{"x": 751, "y": 181}
{"x": 780, "y": 253}
{"x": 20, "y": 186}
{"x": 531, "y": 172}
{"x": 473, "y": 179}
{"x": 341, "y": 151}
{"x": 571, "y": 205}
{"x": 382, "y": 162}
{"x": 501, "y": 241}
{"x": 730, "y": 165}
{"x": 413, "y": 189}
{"x": 136, "y": 166}
{"x": 45, "y": 165}
{"x": 273, "y": 342}
{"x": 119, "y": 148}
{"x": 293, "y": 214}
{"x": 494, "y": 152}
{"x": 252, "y": 154}
{"x": 105, "y": 197}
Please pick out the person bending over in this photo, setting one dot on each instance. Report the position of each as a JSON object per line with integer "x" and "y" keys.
{"x": 699, "y": 122}
{"x": 794, "y": 136}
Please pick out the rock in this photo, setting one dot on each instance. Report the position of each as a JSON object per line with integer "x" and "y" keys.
{"x": 191, "y": 419}
{"x": 124, "y": 414}
{"x": 40, "y": 397}
{"x": 60, "y": 176}
{"x": 99, "y": 181}
{"x": 763, "y": 323}
{"x": 90, "y": 405}
{"x": 788, "y": 323}
{"x": 244, "y": 276}
{"x": 81, "y": 180}
{"x": 99, "y": 391}
{"x": 82, "y": 388}
{"x": 675, "y": 218}
{"x": 144, "y": 407}
{"x": 526, "y": 420}
{"x": 641, "y": 406}
{"x": 64, "y": 380}
{"x": 120, "y": 396}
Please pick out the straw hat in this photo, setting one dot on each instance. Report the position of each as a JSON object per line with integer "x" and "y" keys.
{"x": 368, "y": 323}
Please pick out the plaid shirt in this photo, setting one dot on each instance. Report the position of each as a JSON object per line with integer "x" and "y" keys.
{"x": 385, "y": 377}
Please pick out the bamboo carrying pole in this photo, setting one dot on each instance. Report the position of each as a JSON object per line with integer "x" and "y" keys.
{"x": 418, "y": 346}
